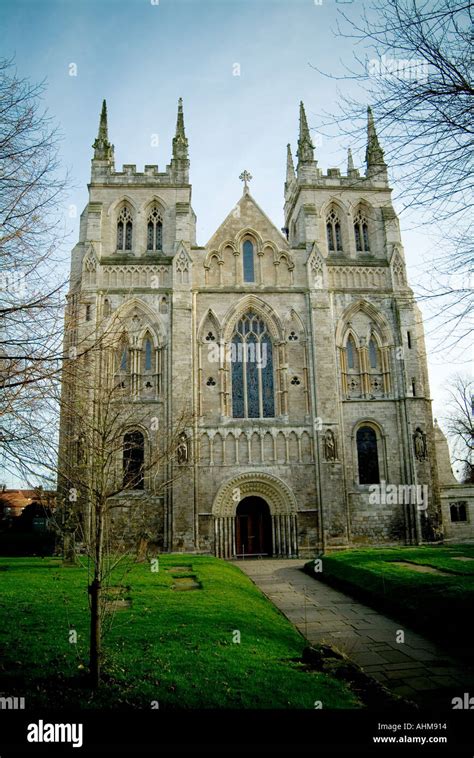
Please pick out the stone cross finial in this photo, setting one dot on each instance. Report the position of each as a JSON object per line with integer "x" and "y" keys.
{"x": 245, "y": 177}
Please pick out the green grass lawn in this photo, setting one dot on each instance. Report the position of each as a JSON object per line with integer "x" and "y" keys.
{"x": 440, "y": 605}
{"x": 174, "y": 647}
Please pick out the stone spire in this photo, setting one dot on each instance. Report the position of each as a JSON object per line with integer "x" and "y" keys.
{"x": 103, "y": 150}
{"x": 305, "y": 146}
{"x": 180, "y": 143}
{"x": 376, "y": 166}
{"x": 180, "y": 158}
{"x": 290, "y": 169}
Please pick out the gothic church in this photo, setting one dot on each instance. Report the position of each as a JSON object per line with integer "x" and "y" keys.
{"x": 299, "y": 351}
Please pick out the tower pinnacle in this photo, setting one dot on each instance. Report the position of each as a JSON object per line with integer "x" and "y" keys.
{"x": 180, "y": 143}
{"x": 290, "y": 169}
{"x": 305, "y": 146}
{"x": 374, "y": 158}
{"x": 103, "y": 150}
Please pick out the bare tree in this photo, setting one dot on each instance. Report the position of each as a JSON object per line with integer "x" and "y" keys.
{"x": 31, "y": 233}
{"x": 460, "y": 424}
{"x": 111, "y": 474}
{"x": 417, "y": 74}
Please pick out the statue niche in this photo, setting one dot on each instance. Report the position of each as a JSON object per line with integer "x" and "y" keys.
{"x": 330, "y": 446}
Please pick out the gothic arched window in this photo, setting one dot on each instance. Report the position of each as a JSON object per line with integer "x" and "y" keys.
{"x": 252, "y": 369}
{"x": 148, "y": 353}
{"x": 154, "y": 237}
{"x": 351, "y": 352}
{"x": 367, "y": 455}
{"x": 124, "y": 359}
{"x": 248, "y": 261}
{"x": 333, "y": 230}
{"x": 361, "y": 233}
{"x": 373, "y": 353}
{"x": 124, "y": 230}
{"x": 133, "y": 460}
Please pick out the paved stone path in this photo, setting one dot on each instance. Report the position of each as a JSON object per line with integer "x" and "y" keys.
{"x": 416, "y": 669}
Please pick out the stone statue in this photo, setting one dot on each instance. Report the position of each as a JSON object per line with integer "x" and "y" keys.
{"x": 419, "y": 441}
{"x": 182, "y": 449}
{"x": 330, "y": 447}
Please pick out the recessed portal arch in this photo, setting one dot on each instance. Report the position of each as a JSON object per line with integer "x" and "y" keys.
{"x": 279, "y": 505}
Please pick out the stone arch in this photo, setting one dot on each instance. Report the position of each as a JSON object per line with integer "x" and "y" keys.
{"x": 210, "y": 255}
{"x": 262, "y": 309}
{"x": 375, "y": 425}
{"x": 209, "y": 318}
{"x": 372, "y": 313}
{"x": 248, "y": 232}
{"x": 283, "y": 255}
{"x": 155, "y": 200}
{"x": 334, "y": 202}
{"x": 276, "y": 493}
{"x": 150, "y": 316}
{"x": 361, "y": 204}
{"x": 148, "y": 331}
{"x": 294, "y": 321}
{"x": 117, "y": 204}
{"x": 224, "y": 245}
{"x": 278, "y": 498}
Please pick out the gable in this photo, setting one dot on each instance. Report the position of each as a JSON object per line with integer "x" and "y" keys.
{"x": 247, "y": 216}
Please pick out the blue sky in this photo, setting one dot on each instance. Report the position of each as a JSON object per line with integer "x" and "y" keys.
{"x": 142, "y": 55}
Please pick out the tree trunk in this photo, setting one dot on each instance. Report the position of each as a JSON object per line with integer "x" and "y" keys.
{"x": 95, "y": 633}
{"x": 95, "y": 648}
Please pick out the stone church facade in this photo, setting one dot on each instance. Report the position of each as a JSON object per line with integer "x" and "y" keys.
{"x": 299, "y": 352}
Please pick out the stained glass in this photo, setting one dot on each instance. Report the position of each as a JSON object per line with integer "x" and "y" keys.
{"x": 149, "y": 238}
{"x": 249, "y": 274}
{"x": 350, "y": 353}
{"x": 148, "y": 355}
{"x": 372, "y": 354}
{"x": 267, "y": 377}
{"x": 237, "y": 379}
{"x": 128, "y": 236}
{"x": 159, "y": 235}
{"x": 120, "y": 235}
{"x": 252, "y": 369}
{"x": 253, "y": 409}
{"x": 330, "y": 237}
{"x": 365, "y": 232}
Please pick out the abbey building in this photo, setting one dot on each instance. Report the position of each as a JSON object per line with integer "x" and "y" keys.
{"x": 289, "y": 364}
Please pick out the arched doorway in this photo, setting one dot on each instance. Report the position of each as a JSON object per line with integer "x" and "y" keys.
{"x": 253, "y": 532}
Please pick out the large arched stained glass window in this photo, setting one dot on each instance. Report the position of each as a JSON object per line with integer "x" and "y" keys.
{"x": 367, "y": 455}
{"x": 252, "y": 369}
{"x": 249, "y": 266}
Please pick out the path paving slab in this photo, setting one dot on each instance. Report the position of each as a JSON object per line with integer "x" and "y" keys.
{"x": 417, "y": 669}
